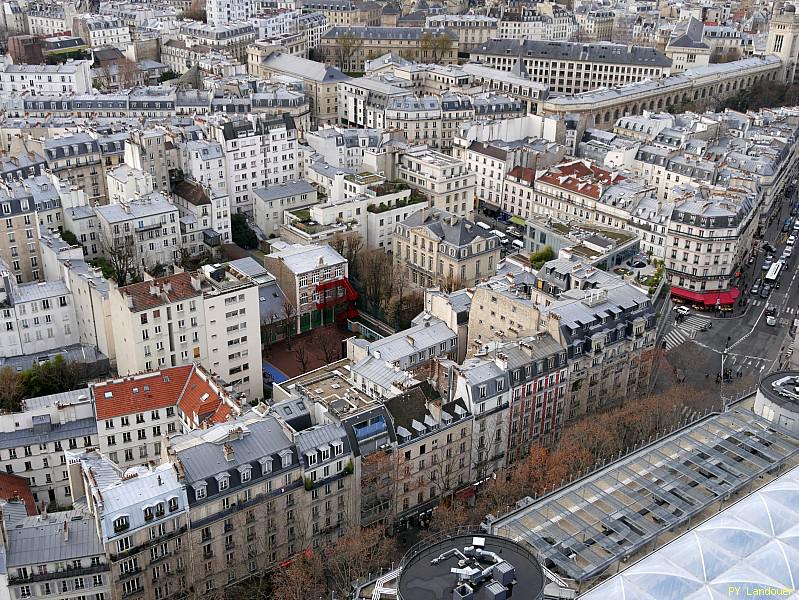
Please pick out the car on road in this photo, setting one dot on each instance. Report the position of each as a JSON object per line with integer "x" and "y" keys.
{"x": 755, "y": 288}
{"x": 765, "y": 291}
{"x": 791, "y": 240}
{"x": 769, "y": 247}
{"x": 767, "y": 262}
{"x": 771, "y": 320}
{"x": 682, "y": 310}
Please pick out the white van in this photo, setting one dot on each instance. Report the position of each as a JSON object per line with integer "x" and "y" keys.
{"x": 483, "y": 226}
{"x": 502, "y": 237}
{"x": 518, "y": 244}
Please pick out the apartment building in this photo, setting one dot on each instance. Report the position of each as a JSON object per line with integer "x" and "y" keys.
{"x": 418, "y": 44}
{"x": 72, "y": 77}
{"x": 271, "y": 202}
{"x": 231, "y": 39}
{"x": 136, "y": 414}
{"x": 204, "y": 216}
{"x": 146, "y": 150}
{"x": 442, "y": 249}
{"x": 159, "y": 323}
{"x": 492, "y": 161}
{"x": 46, "y": 20}
{"x": 144, "y": 231}
{"x": 429, "y": 120}
{"x": 20, "y": 248}
{"x": 204, "y": 162}
{"x": 575, "y": 190}
{"x": 343, "y": 147}
{"x": 75, "y": 158}
{"x": 224, "y": 12}
{"x": 446, "y": 181}
{"x": 98, "y": 31}
{"x": 314, "y": 280}
{"x": 384, "y": 368}
{"x": 570, "y": 67}
{"x": 36, "y": 318}
{"x": 319, "y": 81}
{"x": 472, "y": 30}
{"x": 345, "y": 13}
{"x": 33, "y": 441}
{"x": 595, "y": 24}
{"x": 292, "y": 490}
{"x": 139, "y": 519}
{"x": 545, "y": 21}
{"x": 258, "y": 152}
{"x": 434, "y": 440}
{"x": 124, "y": 183}
{"x": 710, "y": 233}
{"x": 211, "y": 317}
{"x": 362, "y": 101}
{"x": 55, "y": 555}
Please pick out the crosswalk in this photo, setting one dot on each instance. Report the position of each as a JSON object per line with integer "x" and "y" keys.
{"x": 684, "y": 331}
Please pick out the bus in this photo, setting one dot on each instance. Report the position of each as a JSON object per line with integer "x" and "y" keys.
{"x": 774, "y": 272}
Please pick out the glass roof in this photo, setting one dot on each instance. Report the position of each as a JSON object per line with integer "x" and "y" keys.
{"x": 750, "y": 549}
{"x": 617, "y": 513}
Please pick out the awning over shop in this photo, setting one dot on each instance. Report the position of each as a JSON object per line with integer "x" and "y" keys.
{"x": 517, "y": 221}
{"x": 715, "y": 298}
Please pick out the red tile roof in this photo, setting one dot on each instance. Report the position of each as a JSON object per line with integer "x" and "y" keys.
{"x": 16, "y": 487}
{"x": 203, "y": 400}
{"x": 581, "y": 177}
{"x": 522, "y": 173}
{"x": 140, "y": 393}
{"x": 189, "y": 388}
{"x": 169, "y": 289}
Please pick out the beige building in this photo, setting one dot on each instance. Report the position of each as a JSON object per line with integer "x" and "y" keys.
{"x": 319, "y": 81}
{"x": 346, "y": 13}
{"x": 434, "y": 447}
{"x": 595, "y": 25}
{"x": 362, "y": 44}
{"x": 76, "y": 158}
{"x": 442, "y": 249}
{"x": 19, "y": 239}
{"x": 445, "y": 180}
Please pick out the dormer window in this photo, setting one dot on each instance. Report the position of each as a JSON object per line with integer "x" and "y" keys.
{"x": 311, "y": 457}
{"x": 285, "y": 459}
{"x": 246, "y": 472}
{"x": 266, "y": 464}
{"x": 149, "y": 514}
{"x": 223, "y": 480}
{"x": 500, "y": 384}
{"x": 173, "y": 504}
{"x": 200, "y": 490}
{"x": 121, "y": 523}
{"x": 325, "y": 453}
{"x": 338, "y": 448}
{"x": 160, "y": 509}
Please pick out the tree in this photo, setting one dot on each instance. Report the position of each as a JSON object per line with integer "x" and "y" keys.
{"x": 167, "y": 75}
{"x": 70, "y": 238}
{"x": 451, "y": 283}
{"x": 436, "y": 46}
{"x": 347, "y": 46}
{"x": 303, "y": 579}
{"x": 537, "y": 259}
{"x": 301, "y": 352}
{"x": 241, "y": 232}
{"x": 268, "y": 331}
{"x": 330, "y": 344}
{"x": 406, "y": 308}
{"x": 121, "y": 257}
{"x": 358, "y": 553}
{"x": 373, "y": 265}
{"x": 11, "y": 389}
{"x": 289, "y": 318}
{"x": 51, "y": 377}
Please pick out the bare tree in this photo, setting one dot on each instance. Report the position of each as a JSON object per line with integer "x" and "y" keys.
{"x": 355, "y": 555}
{"x": 301, "y": 580}
{"x": 268, "y": 330}
{"x": 452, "y": 283}
{"x": 374, "y": 269}
{"x": 11, "y": 389}
{"x": 122, "y": 257}
{"x": 289, "y": 318}
{"x": 301, "y": 352}
{"x": 330, "y": 344}
{"x": 436, "y": 46}
{"x": 347, "y": 46}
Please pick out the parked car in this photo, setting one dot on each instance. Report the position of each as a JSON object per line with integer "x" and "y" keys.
{"x": 769, "y": 247}
{"x": 791, "y": 240}
{"x": 765, "y": 291}
{"x": 771, "y": 320}
{"x": 682, "y": 310}
{"x": 755, "y": 288}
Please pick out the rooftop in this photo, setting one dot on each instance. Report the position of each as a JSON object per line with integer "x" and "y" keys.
{"x": 583, "y": 529}
{"x": 160, "y": 291}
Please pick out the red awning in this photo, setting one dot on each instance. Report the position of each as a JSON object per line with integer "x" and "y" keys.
{"x": 687, "y": 295}
{"x": 708, "y": 298}
{"x": 722, "y": 298}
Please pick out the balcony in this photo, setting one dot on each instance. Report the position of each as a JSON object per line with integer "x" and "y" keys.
{"x": 60, "y": 574}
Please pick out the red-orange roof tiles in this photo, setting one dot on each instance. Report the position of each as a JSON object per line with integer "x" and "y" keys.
{"x": 16, "y": 487}
{"x": 172, "y": 288}
{"x": 141, "y": 392}
{"x": 579, "y": 177}
{"x": 201, "y": 400}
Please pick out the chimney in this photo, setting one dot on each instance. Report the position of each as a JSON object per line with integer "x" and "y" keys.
{"x": 228, "y": 451}
{"x": 154, "y": 291}
{"x": 160, "y": 481}
{"x": 167, "y": 287}
{"x": 195, "y": 283}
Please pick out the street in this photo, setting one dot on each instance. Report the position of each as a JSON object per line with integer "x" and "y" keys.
{"x": 743, "y": 343}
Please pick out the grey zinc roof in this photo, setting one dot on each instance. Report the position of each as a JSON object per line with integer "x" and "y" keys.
{"x": 57, "y": 432}
{"x": 318, "y": 436}
{"x": 603, "y": 52}
{"x": 35, "y": 541}
{"x": 391, "y": 33}
{"x": 31, "y": 292}
{"x": 204, "y": 458}
{"x": 157, "y": 204}
{"x": 439, "y": 223}
{"x": 284, "y": 190}
{"x": 304, "y": 68}
{"x": 304, "y": 258}
{"x": 424, "y": 335}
